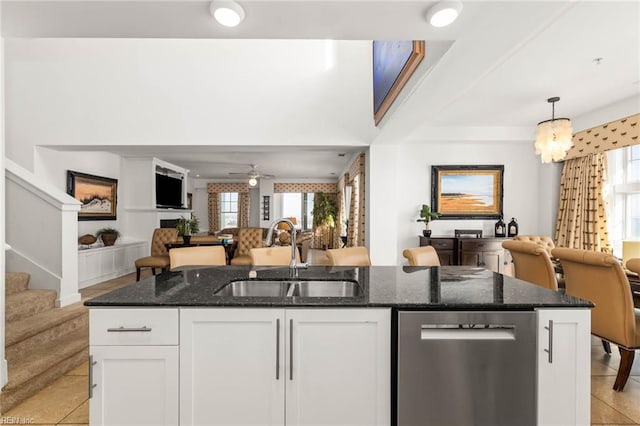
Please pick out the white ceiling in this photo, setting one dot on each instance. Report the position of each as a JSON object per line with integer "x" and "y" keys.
{"x": 506, "y": 58}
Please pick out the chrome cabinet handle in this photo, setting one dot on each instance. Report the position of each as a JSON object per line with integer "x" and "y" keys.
{"x": 122, "y": 329}
{"x": 550, "y": 350}
{"x": 291, "y": 349}
{"x": 278, "y": 349}
{"x": 91, "y": 384}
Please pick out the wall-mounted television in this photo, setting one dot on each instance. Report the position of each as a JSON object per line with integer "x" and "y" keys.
{"x": 168, "y": 191}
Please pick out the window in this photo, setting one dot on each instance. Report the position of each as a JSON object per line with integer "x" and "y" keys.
{"x": 229, "y": 210}
{"x": 300, "y": 206}
{"x": 624, "y": 196}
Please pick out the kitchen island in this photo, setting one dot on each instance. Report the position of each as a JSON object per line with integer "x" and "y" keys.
{"x": 169, "y": 350}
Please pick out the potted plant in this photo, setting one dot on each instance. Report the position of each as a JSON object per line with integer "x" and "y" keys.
{"x": 426, "y": 215}
{"x": 187, "y": 227}
{"x": 324, "y": 215}
{"x": 108, "y": 235}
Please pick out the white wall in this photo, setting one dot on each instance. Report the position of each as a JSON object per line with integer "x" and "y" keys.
{"x": 185, "y": 92}
{"x": 3, "y": 362}
{"x": 400, "y": 182}
{"x": 52, "y": 166}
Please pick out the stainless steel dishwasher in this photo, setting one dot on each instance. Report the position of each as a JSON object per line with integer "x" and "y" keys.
{"x": 466, "y": 368}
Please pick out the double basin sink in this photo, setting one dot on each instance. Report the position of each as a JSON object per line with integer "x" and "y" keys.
{"x": 295, "y": 288}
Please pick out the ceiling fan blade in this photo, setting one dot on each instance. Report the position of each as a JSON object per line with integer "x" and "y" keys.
{"x": 239, "y": 174}
{"x": 267, "y": 176}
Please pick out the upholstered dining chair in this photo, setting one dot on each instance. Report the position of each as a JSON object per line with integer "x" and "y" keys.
{"x": 599, "y": 278}
{"x": 634, "y": 265}
{"x": 248, "y": 238}
{"x": 197, "y": 256}
{"x": 272, "y": 256}
{"x": 159, "y": 257}
{"x": 542, "y": 240}
{"x": 532, "y": 263}
{"x": 350, "y": 256}
{"x": 422, "y": 256}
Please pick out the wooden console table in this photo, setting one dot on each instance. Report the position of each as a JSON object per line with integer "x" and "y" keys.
{"x": 484, "y": 252}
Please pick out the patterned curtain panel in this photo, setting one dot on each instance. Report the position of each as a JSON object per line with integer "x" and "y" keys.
{"x": 354, "y": 219}
{"x": 582, "y": 220}
{"x": 243, "y": 209}
{"x": 214, "y": 212}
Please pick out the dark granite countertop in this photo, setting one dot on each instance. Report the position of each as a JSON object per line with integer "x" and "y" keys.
{"x": 441, "y": 288}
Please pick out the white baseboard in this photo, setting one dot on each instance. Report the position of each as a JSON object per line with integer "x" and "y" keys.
{"x": 61, "y": 303}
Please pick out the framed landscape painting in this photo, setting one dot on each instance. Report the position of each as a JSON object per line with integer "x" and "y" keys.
{"x": 467, "y": 192}
{"x": 98, "y": 195}
{"x": 394, "y": 62}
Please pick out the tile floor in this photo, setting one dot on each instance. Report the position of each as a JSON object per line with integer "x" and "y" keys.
{"x": 65, "y": 402}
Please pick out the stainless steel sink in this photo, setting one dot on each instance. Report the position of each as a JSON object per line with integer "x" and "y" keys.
{"x": 324, "y": 289}
{"x": 254, "y": 289}
{"x": 298, "y": 288}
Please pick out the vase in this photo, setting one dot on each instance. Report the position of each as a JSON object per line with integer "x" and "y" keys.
{"x": 426, "y": 232}
{"x": 186, "y": 239}
{"x": 108, "y": 239}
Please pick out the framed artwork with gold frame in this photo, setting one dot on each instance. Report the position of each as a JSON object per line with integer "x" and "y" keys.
{"x": 467, "y": 192}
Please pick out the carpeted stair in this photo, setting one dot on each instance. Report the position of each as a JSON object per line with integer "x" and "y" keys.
{"x": 42, "y": 342}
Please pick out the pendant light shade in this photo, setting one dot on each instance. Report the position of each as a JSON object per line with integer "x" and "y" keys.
{"x": 553, "y": 138}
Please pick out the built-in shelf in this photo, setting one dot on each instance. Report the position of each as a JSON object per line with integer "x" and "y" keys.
{"x": 101, "y": 263}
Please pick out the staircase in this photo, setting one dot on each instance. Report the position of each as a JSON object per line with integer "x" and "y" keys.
{"x": 42, "y": 342}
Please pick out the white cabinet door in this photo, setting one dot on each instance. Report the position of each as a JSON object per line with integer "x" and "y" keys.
{"x": 232, "y": 367}
{"x": 134, "y": 385}
{"x": 338, "y": 367}
{"x": 564, "y": 358}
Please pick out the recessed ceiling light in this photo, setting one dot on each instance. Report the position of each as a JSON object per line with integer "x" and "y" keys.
{"x": 444, "y": 13}
{"x": 227, "y": 12}
{"x": 197, "y": 175}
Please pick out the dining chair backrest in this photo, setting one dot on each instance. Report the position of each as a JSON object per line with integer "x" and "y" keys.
{"x": 634, "y": 265}
{"x": 532, "y": 263}
{"x": 162, "y": 236}
{"x": 599, "y": 278}
{"x": 350, "y": 256}
{"x": 541, "y": 240}
{"x": 422, "y": 256}
{"x": 197, "y": 256}
{"x": 272, "y": 256}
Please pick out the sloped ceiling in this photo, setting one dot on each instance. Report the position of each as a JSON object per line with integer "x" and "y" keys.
{"x": 500, "y": 62}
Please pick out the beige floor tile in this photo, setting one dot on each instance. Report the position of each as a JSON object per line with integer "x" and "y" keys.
{"x": 83, "y": 370}
{"x": 78, "y": 416}
{"x": 600, "y": 369}
{"x": 54, "y": 402}
{"x": 625, "y": 402}
{"x": 603, "y": 413}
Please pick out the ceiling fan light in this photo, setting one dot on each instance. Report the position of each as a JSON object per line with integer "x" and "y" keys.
{"x": 253, "y": 181}
{"x": 444, "y": 13}
{"x": 227, "y": 12}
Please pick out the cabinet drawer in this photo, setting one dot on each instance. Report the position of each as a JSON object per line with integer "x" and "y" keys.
{"x": 133, "y": 326}
{"x": 473, "y": 244}
{"x": 442, "y": 243}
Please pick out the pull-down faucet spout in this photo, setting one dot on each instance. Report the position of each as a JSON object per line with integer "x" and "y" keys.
{"x": 293, "y": 265}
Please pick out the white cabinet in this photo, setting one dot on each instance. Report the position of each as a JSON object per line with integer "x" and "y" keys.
{"x": 564, "y": 358}
{"x": 285, "y": 366}
{"x": 337, "y": 369}
{"x": 134, "y": 385}
{"x": 134, "y": 363}
{"x": 103, "y": 263}
{"x": 232, "y": 367}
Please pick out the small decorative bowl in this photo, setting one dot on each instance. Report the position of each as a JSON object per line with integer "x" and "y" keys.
{"x": 87, "y": 239}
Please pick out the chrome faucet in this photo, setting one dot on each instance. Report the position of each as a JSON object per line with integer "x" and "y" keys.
{"x": 293, "y": 265}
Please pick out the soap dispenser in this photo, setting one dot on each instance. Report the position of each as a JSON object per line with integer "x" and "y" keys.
{"x": 513, "y": 228}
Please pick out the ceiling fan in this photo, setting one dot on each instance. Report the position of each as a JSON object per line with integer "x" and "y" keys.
{"x": 253, "y": 175}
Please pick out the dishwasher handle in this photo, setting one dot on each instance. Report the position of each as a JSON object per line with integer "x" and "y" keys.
{"x": 462, "y": 332}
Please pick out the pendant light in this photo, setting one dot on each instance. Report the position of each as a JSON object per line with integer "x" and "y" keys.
{"x": 553, "y": 138}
